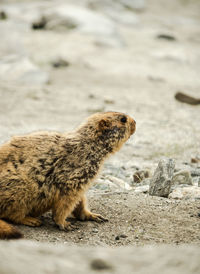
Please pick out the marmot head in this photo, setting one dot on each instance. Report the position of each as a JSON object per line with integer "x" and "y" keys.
{"x": 109, "y": 129}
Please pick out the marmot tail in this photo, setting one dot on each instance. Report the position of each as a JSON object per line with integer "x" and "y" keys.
{"x": 8, "y": 231}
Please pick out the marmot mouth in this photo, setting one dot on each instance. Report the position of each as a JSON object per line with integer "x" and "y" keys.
{"x": 132, "y": 126}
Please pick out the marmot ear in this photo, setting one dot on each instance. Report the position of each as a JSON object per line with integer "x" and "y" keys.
{"x": 104, "y": 124}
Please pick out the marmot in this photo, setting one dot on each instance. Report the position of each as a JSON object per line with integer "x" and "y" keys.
{"x": 51, "y": 171}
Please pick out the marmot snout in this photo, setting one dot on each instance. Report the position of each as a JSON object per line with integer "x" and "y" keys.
{"x": 51, "y": 171}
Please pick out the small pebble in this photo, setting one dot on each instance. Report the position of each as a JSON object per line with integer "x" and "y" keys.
{"x": 123, "y": 236}
{"x": 166, "y": 37}
{"x": 109, "y": 101}
{"x": 40, "y": 24}
{"x": 140, "y": 175}
{"x": 195, "y": 160}
{"x": 3, "y": 15}
{"x": 95, "y": 230}
{"x": 195, "y": 173}
{"x": 91, "y": 96}
{"x": 60, "y": 63}
{"x": 100, "y": 264}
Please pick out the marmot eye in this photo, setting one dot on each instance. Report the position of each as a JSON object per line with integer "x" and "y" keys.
{"x": 123, "y": 119}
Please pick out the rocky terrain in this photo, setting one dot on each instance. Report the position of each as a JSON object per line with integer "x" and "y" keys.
{"x": 61, "y": 61}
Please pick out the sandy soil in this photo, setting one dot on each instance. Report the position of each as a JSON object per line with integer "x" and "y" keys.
{"x": 134, "y": 219}
{"x": 140, "y": 79}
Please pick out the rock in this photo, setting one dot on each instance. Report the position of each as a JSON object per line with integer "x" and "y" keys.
{"x": 17, "y": 257}
{"x": 166, "y": 37}
{"x": 133, "y": 4}
{"x": 83, "y": 19}
{"x": 165, "y": 55}
{"x": 23, "y": 12}
{"x": 95, "y": 230}
{"x": 142, "y": 189}
{"x": 103, "y": 184}
{"x": 67, "y": 17}
{"x": 35, "y": 77}
{"x": 160, "y": 183}
{"x": 140, "y": 175}
{"x": 192, "y": 192}
{"x": 115, "y": 11}
{"x": 109, "y": 100}
{"x": 39, "y": 24}
{"x": 22, "y": 70}
{"x": 12, "y": 34}
{"x": 122, "y": 236}
{"x": 195, "y": 173}
{"x": 182, "y": 177}
{"x": 195, "y": 160}
{"x": 3, "y": 15}
{"x": 176, "y": 194}
{"x": 119, "y": 182}
{"x": 60, "y": 62}
{"x": 111, "y": 183}
{"x": 156, "y": 78}
{"x": 100, "y": 264}
{"x": 184, "y": 98}
{"x": 145, "y": 182}
{"x": 109, "y": 42}
{"x": 124, "y": 17}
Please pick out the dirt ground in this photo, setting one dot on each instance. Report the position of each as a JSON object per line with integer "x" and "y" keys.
{"x": 141, "y": 79}
{"x": 134, "y": 219}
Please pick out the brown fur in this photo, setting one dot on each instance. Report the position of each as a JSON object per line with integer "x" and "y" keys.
{"x": 51, "y": 171}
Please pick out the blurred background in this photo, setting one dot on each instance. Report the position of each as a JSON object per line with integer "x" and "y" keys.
{"x": 63, "y": 60}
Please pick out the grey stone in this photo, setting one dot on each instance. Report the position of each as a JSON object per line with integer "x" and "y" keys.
{"x": 182, "y": 177}
{"x": 111, "y": 183}
{"x": 116, "y": 11}
{"x": 195, "y": 173}
{"x": 142, "y": 189}
{"x": 95, "y": 230}
{"x": 99, "y": 264}
{"x": 22, "y": 257}
{"x": 140, "y": 175}
{"x": 24, "y": 12}
{"x": 59, "y": 62}
{"x": 22, "y": 70}
{"x": 161, "y": 182}
{"x": 80, "y": 18}
{"x": 191, "y": 192}
{"x": 124, "y": 17}
{"x": 3, "y": 15}
{"x": 65, "y": 17}
{"x": 12, "y": 34}
{"x": 119, "y": 182}
{"x": 110, "y": 42}
{"x": 133, "y": 4}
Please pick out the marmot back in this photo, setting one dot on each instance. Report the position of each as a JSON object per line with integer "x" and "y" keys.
{"x": 51, "y": 171}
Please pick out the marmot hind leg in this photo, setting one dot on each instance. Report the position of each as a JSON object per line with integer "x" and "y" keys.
{"x": 29, "y": 221}
{"x": 82, "y": 213}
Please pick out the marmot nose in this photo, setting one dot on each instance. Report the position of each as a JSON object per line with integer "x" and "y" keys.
{"x": 133, "y": 126}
